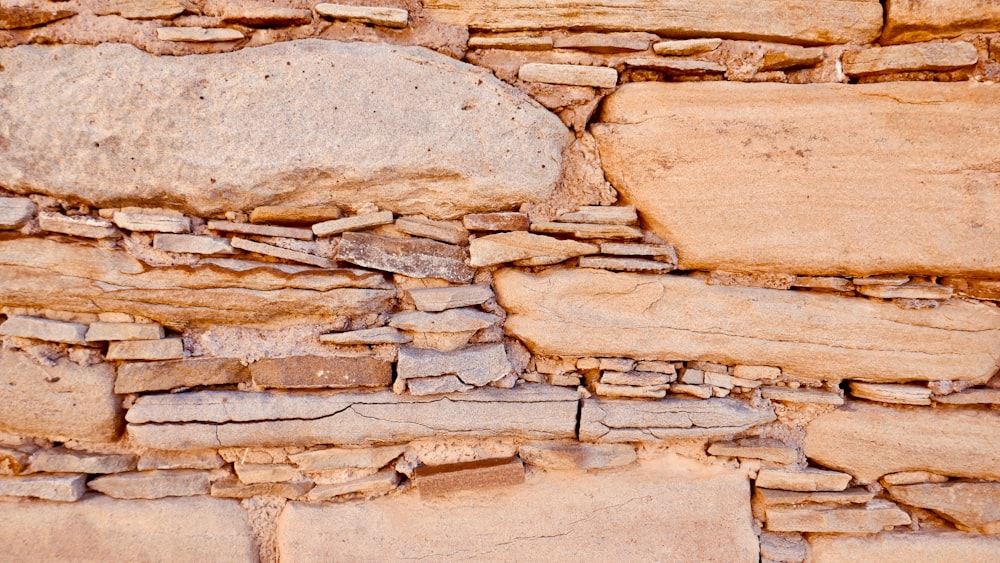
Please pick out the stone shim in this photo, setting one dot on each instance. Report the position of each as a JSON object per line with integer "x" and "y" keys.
{"x": 819, "y": 179}
{"x": 584, "y": 313}
{"x": 412, "y": 142}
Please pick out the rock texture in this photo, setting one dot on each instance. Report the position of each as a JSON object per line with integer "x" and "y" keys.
{"x": 596, "y": 313}
{"x": 806, "y": 159}
{"x": 903, "y": 548}
{"x": 402, "y": 147}
{"x": 919, "y": 20}
{"x": 672, "y": 510}
{"x": 609, "y": 420}
{"x": 793, "y": 21}
{"x": 971, "y": 505}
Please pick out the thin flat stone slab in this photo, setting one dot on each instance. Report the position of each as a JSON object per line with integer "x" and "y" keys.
{"x": 902, "y": 547}
{"x": 260, "y": 230}
{"x": 869, "y": 441}
{"x": 44, "y": 329}
{"x": 150, "y": 222}
{"x": 791, "y": 58}
{"x": 59, "y": 402}
{"x": 755, "y": 448}
{"x": 608, "y": 420}
{"x": 926, "y": 177}
{"x": 774, "y": 497}
{"x": 935, "y": 56}
{"x": 499, "y": 221}
{"x": 802, "y": 21}
{"x": 664, "y": 251}
{"x": 630, "y": 391}
{"x": 278, "y": 252}
{"x": 889, "y": 393}
{"x": 380, "y": 483}
{"x": 439, "y": 385}
{"x": 196, "y": 34}
{"x": 913, "y": 478}
{"x": 265, "y": 16}
{"x": 619, "y": 264}
{"x": 192, "y": 459}
{"x": 212, "y": 419}
{"x": 662, "y": 510}
{"x": 16, "y": 17}
{"x": 575, "y": 455}
{"x": 366, "y": 336}
{"x": 971, "y": 397}
{"x": 77, "y": 225}
{"x": 139, "y": 377}
{"x": 971, "y": 505}
{"x": 388, "y": 17}
{"x": 444, "y": 231}
{"x": 435, "y": 299}
{"x": 605, "y": 43}
{"x": 452, "y": 320}
{"x": 304, "y": 372}
{"x": 491, "y": 250}
{"x": 686, "y": 46}
{"x": 354, "y": 223}
{"x": 99, "y": 528}
{"x": 671, "y": 65}
{"x": 16, "y": 211}
{"x": 583, "y": 312}
{"x": 194, "y": 244}
{"x": 801, "y": 395}
{"x": 153, "y": 484}
{"x": 414, "y": 257}
{"x": 232, "y": 488}
{"x": 587, "y": 230}
{"x": 869, "y": 519}
{"x": 143, "y": 9}
{"x": 64, "y": 488}
{"x": 345, "y": 458}
{"x": 475, "y": 365}
{"x": 802, "y": 480}
{"x": 511, "y": 43}
{"x": 907, "y": 291}
{"x": 571, "y": 75}
{"x": 601, "y": 214}
{"x": 282, "y": 214}
{"x": 915, "y": 20}
{"x": 162, "y": 349}
{"x": 104, "y": 332}
{"x": 59, "y": 460}
{"x": 435, "y": 480}
{"x": 369, "y": 149}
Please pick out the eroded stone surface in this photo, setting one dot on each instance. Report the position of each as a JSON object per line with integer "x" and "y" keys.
{"x": 161, "y": 376}
{"x": 896, "y": 547}
{"x": 153, "y": 484}
{"x": 302, "y": 372}
{"x": 476, "y": 365}
{"x": 414, "y": 257}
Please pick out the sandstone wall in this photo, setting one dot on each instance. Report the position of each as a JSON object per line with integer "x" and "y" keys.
{"x": 500, "y": 280}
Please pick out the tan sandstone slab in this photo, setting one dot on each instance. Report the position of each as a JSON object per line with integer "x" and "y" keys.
{"x": 606, "y": 42}
{"x": 623, "y": 420}
{"x": 44, "y": 329}
{"x": 161, "y": 376}
{"x": 918, "y": 20}
{"x": 16, "y": 211}
{"x": 196, "y": 34}
{"x": 59, "y": 460}
{"x": 576, "y": 455}
{"x": 378, "y": 335}
{"x": 475, "y": 365}
{"x": 871, "y": 518}
{"x": 571, "y": 75}
{"x": 194, "y": 244}
{"x": 938, "y": 56}
{"x": 18, "y": 17}
{"x": 582, "y": 313}
{"x": 104, "y": 332}
{"x": 61, "y": 487}
{"x": 801, "y": 21}
{"x": 756, "y": 448}
{"x": 802, "y": 480}
{"x": 143, "y": 9}
{"x": 686, "y": 46}
{"x": 389, "y": 17}
{"x": 869, "y": 441}
{"x": 900, "y": 547}
{"x": 282, "y": 214}
{"x": 344, "y": 458}
{"x": 151, "y": 222}
{"x": 511, "y": 43}
{"x": 278, "y": 252}
{"x": 337, "y": 226}
{"x": 153, "y": 484}
{"x": 99, "y": 528}
{"x": 496, "y": 249}
{"x": 59, "y": 402}
{"x": 436, "y": 299}
{"x": 664, "y": 510}
{"x": 303, "y": 372}
{"x": 972, "y": 505}
{"x": 334, "y": 147}
{"x": 414, "y": 257}
{"x": 444, "y": 231}
{"x": 162, "y": 349}
{"x": 264, "y": 16}
{"x": 806, "y": 159}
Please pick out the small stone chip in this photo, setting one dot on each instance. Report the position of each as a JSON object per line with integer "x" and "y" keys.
{"x": 149, "y": 222}
{"x": 388, "y": 17}
{"x": 500, "y": 221}
{"x": 570, "y": 75}
{"x": 165, "y": 349}
{"x": 355, "y": 223}
{"x": 442, "y": 479}
{"x": 193, "y": 244}
{"x": 686, "y": 46}
{"x": 198, "y": 34}
{"x": 44, "y": 329}
{"x": 103, "y": 332}
{"x": 261, "y": 230}
{"x": 278, "y": 252}
{"x": 81, "y": 225}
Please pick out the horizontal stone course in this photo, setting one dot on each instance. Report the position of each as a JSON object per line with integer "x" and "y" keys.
{"x": 611, "y": 420}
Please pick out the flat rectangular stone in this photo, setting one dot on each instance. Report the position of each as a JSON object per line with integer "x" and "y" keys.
{"x": 622, "y": 42}
{"x": 801, "y": 395}
{"x": 150, "y": 222}
{"x": 649, "y": 421}
{"x": 872, "y": 518}
{"x": 757, "y": 373}
{"x": 435, "y": 299}
{"x": 143, "y": 9}
{"x": 380, "y": 483}
{"x": 345, "y": 458}
{"x": 761, "y": 448}
{"x": 499, "y": 221}
{"x": 783, "y": 548}
{"x": 283, "y": 253}
{"x": 80, "y": 226}
{"x": 805, "y": 334}
{"x": 971, "y": 397}
{"x": 802, "y": 21}
{"x": 695, "y": 390}
{"x": 253, "y": 473}
{"x": 686, "y": 46}
{"x": 202, "y": 420}
{"x": 294, "y": 215}
{"x": 232, "y": 488}
{"x": 367, "y": 336}
{"x": 16, "y": 17}
{"x": 192, "y": 372}
{"x": 775, "y": 497}
{"x": 475, "y": 365}
{"x": 640, "y": 249}
{"x": 615, "y": 264}
{"x": 64, "y": 488}
{"x": 972, "y": 506}
{"x": 462, "y": 319}
{"x": 676, "y": 66}
{"x": 914, "y": 20}
{"x": 830, "y": 207}
{"x": 304, "y": 372}
{"x": 791, "y": 58}
{"x": 103, "y": 332}
{"x": 510, "y": 43}
{"x": 571, "y": 75}
{"x": 193, "y": 244}
{"x": 601, "y": 214}
{"x": 491, "y": 250}
{"x": 766, "y": 280}
{"x": 913, "y": 477}
{"x": 354, "y": 223}
{"x": 44, "y": 329}
{"x": 191, "y": 459}
{"x": 443, "y": 231}
{"x": 884, "y": 279}
{"x": 587, "y": 230}
{"x": 907, "y": 291}
{"x": 388, "y": 17}
{"x": 435, "y": 480}
{"x": 902, "y": 547}
{"x": 418, "y": 258}
{"x": 820, "y": 282}
{"x": 261, "y": 230}
{"x": 163, "y": 349}
{"x": 657, "y": 367}
{"x": 574, "y": 455}
{"x": 889, "y": 393}
{"x": 153, "y": 484}
{"x": 802, "y": 480}
{"x": 264, "y": 16}
{"x": 630, "y": 391}
{"x": 60, "y": 460}
{"x": 198, "y": 34}
{"x": 637, "y": 378}
{"x": 15, "y": 212}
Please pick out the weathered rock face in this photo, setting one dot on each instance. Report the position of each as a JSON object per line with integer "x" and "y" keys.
{"x": 811, "y": 179}
{"x": 594, "y": 313}
{"x": 64, "y": 401}
{"x": 672, "y": 510}
{"x": 869, "y": 441}
{"x": 793, "y": 21}
{"x": 402, "y": 127}
{"x": 919, "y": 20}
{"x": 903, "y": 548}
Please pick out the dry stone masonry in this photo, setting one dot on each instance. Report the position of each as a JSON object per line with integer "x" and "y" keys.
{"x": 502, "y": 280}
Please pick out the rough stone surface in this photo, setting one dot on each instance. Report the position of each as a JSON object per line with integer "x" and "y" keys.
{"x": 151, "y": 222}
{"x": 414, "y": 257}
{"x": 63, "y": 488}
{"x": 17, "y": 17}
{"x": 191, "y": 459}
{"x": 869, "y": 441}
{"x": 302, "y": 372}
{"x": 380, "y": 483}
{"x": 476, "y": 365}
{"x": 434, "y": 480}
{"x": 282, "y": 214}
{"x": 453, "y": 320}
{"x": 813, "y": 154}
{"x": 153, "y": 484}
{"x": 760, "y": 448}
{"x": 196, "y": 34}
{"x": 801, "y": 395}
{"x": 44, "y": 329}
{"x": 143, "y": 9}
{"x": 99, "y": 528}
{"x": 436, "y": 299}
{"x": 354, "y": 223}
{"x": 663, "y": 510}
{"x": 162, "y": 349}
{"x": 606, "y": 42}
{"x": 969, "y": 504}
{"x": 210, "y": 419}
{"x": 904, "y": 58}
{"x": 773, "y": 497}
{"x": 389, "y": 17}
{"x": 888, "y": 393}
{"x": 623, "y": 420}
{"x": 500, "y": 221}
{"x": 790, "y": 58}
{"x": 278, "y": 252}
{"x": 379, "y": 335}
{"x": 917, "y": 20}
{"x": 686, "y": 46}
{"x": 895, "y": 547}
{"x": 15, "y": 212}
{"x": 404, "y": 149}
{"x": 231, "y": 488}
{"x": 260, "y": 16}
{"x": 444, "y": 231}
{"x": 63, "y": 401}
{"x": 162, "y": 376}
{"x": 800, "y": 21}
{"x": 574, "y": 455}
{"x": 58, "y": 460}
{"x": 596, "y": 313}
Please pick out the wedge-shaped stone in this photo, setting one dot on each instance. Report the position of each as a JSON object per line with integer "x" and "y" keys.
{"x": 681, "y": 512}
{"x": 571, "y": 75}
{"x": 802, "y": 21}
{"x": 65, "y": 488}
{"x": 686, "y": 46}
{"x": 913, "y": 20}
{"x": 791, "y": 58}
{"x": 476, "y": 365}
{"x": 650, "y": 421}
{"x": 389, "y": 17}
{"x": 896, "y": 547}
{"x": 434, "y": 480}
{"x": 499, "y": 221}
{"x": 15, "y": 212}
{"x": 49, "y": 274}
{"x": 355, "y": 223}
{"x": 163, "y": 349}
{"x": 872, "y": 518}
{"x": 333, "y": 146}
{"x": 606, "y": 42}
{"x": 149, "y": 222}
{"x": 344, "y": 458}
{"x": 510, "y": 247}
{"x": 414, "y": 257}
{"x": 970, "y": 505}
{"x": 162, "y": 376}
{"x": 260, "y": 230}
{"x": 198, "y": 34}
{"x": 379, "y": 335}
{"x": 44, "y": 329}
{"x": 587, "y": 230}
{"x": 420, "y": 226}
{"x": 574, "y": 455}
{"x": 888, "y": 393}
{"x": 143, "y": 9}
{"x": 153, "y": 484}
{"x": 60, "y": 402}
{"x": 264, "y": 16}
{"x": 59, "y": 460}
{"x": 671, "y": 65}
{"x": 103, "y": 332}
{"x": 775, "y": 497}
{"x": 926, "y": 177}
{"x": 77, "y": 225}
{"x": 99, "y": 528}
{"x": 453, "y": 320}
{"x": 229, "y": 418}
{"x": 278, "y": 252}
{"x": 303, "y": 372}
{"x": 756, "y": 448}
{"x": 904, "y": 58}
{"x": 869, "y": 441}
{"x": 581, "y": 313}
{"x": 435, "y": 299}
{"x": 193, "y": 244}
{"x": 382, "y": 482}
{"x": 294, "y": 215}
{"x": 803, "y": 480}
{"x": 16, "y": 17}
{"x": 511, "y": 43}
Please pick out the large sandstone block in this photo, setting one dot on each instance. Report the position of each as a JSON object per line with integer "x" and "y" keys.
{"x": 820, "y": 179}
{"x": 592, "y": 313}
{"x": 919, "y": 20}
{"x": 60, "y": 402}
{"x": 661, "y": 510}
{"x": 869, "y": 441}
{"x": 211, "y": 419}
{"x": 793, "y": 21}
{"x": 402, "y": 127}
{"x": 923, "y": 547}
{"x": 99, "y": 528}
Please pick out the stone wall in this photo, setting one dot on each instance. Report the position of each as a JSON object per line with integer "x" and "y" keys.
{"x": 500, "y": 280}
